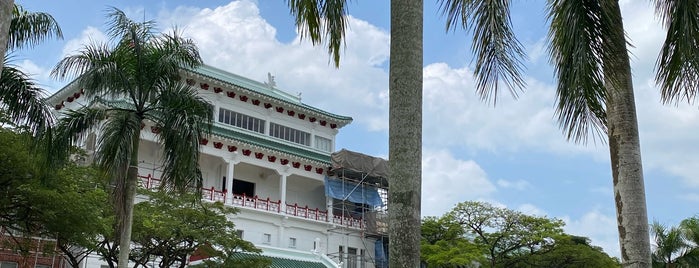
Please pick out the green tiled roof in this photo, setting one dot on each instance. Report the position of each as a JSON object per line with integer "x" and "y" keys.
{"x": 278, "y": 262}
{"x": 260, "y": 88}
{"x": 269, "y": 144}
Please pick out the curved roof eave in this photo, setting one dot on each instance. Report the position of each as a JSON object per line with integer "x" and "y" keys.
{"x": 260, "y": 88}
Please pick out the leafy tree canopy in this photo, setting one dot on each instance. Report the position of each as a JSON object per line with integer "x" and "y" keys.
{"x": 476, "y": 234}
{"x": 170, "y": 228}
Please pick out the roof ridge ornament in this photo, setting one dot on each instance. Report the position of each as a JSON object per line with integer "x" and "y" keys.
{"x": 271, "y": 84}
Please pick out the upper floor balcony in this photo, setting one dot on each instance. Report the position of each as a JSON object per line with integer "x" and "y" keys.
{"x": 370, "y": 221}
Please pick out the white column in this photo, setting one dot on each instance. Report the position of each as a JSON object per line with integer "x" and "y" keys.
{"x": 282, "y": 190}
{"x": 229, "y": 180}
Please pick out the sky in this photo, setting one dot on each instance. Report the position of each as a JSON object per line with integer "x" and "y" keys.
{"x": 512, "y": 154}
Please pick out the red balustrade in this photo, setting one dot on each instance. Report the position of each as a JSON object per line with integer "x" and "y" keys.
{"x": 256, "y": 203}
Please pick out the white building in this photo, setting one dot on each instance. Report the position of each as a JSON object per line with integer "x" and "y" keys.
{"x": 269, "y": 155}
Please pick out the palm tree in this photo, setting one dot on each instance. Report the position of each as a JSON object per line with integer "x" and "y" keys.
{"x": 676, "y": 246}
{"x": 670, "y": 245}
{"x": 595, "y": 91}
{"x": 138, "y": 76}
{"x": 326, "y": 20}
{"x": 22, "y": 99}
{"x": 6, "y": 7}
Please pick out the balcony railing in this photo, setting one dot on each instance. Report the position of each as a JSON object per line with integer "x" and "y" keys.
{"x": 264, "y": 204}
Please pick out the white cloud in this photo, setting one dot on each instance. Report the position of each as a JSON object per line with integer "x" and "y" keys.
{"x": 531, "y": 209}
{"x": 90, "y": 35}
{"x": 447, "y": 181}
{"x": 599, "y": 227}
{"x": 692, "y": 197}
{"x": 518, "y": 185}
{"x": 236, "y": 38}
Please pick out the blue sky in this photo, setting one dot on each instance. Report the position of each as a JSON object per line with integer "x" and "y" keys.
{"x": 513, "y": 154}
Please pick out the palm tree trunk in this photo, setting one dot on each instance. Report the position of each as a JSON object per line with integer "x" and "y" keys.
{"x": 127, "y": 205}
{"x": 625, "y": 152}
{"x": 6, "y": 7}
{"x": 405, "y": 133}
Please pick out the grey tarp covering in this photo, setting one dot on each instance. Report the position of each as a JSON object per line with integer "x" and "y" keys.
{"x": 374, "y": 167}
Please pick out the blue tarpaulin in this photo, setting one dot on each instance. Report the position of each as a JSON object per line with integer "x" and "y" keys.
{"x": 346, "y": 190}
{"x": 381, "y": 250}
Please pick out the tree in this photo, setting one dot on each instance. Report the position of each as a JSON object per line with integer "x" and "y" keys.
{"x": 595, "y": 91}
{"x": 326, "y": 20}
{"x": 21, "y": 98}
{"x": 676, "y": 246}
{"x": 64, "y": 205}
{"x": 445, "y": 244}
{"x": 6, "y": 7}
{"x": 476, "y": 234}
{"x": 169, "y": 229}
{"x": 505, "y": 233}
{"x": 71, "y": 206}
{"x": 141, "y": 67}
{"x": 567, "y": 251}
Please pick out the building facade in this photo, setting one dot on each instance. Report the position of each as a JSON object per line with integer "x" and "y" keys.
{"x": 271, "y": 156}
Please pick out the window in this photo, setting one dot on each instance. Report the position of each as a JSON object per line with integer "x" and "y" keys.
{"x": 239, "y": 233}
{"x": 341, "y": 254}
{"x": 243, "y": 188}
{"x": 362, "y": 262}
{"x": 266, "y": 239}
{"x": 351, "y": 257}
{"x": 5, "y": 264}
{"x": 290, "y": 134}
{"x": 323, "y": 144}
{"x": 241, "y": 120}
{"x": 42, "y": 266}
{"x": 292, "y": 242}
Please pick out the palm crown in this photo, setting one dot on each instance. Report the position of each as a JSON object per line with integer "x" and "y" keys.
{"x": 133, "y": 82}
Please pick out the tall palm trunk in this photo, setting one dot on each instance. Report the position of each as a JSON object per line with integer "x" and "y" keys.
{"x": 125, "y": 204}
{"x": 405, "y": 133}
{"x": 625, "y": 152}
{"x": 6, "y": 7}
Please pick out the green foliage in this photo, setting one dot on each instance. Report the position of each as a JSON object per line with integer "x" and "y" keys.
{"x": 567, "y": 251}
{"x": 476, "y": 234}
{"x": 172, "y": 227}
{"x": 20, "y": 98}
{"x": 64, "y": 204}
{"x": 130, "y": 81}
{"x": 28, "y": 29}
{"x": 444, "y": 244}
{"x": 17, "y": 169}
{"x": 505, "y": 233}
{"x": 677, "y": 246}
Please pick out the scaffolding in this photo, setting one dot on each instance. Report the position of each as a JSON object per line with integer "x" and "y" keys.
{"x": 357, "y": 190}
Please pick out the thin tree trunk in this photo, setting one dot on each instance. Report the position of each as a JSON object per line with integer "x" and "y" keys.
{"x": 6, "y": 7}
{"x": 129, "y": 197}
{"x": 405, "y": 133}
{"x": 625, "y": 153}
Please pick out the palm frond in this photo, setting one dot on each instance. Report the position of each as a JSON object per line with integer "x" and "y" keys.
{"x": 669, "y": 243}
{"x": 72, "y": 128}
{"x": 577, "y": 50}
{"x": 678, "y": 63}
{"x": 31, "y": 28}
{"x": 184, "y": 118}
{"x": 99, "y": 70}
{"x": 120, "y": 27}
{"x": 176, "y": 51}
{"x": 23, "y": 101}
{"x": 322, "y": 20}
{"x": 116, "y": 141}
{"x": 499, "y": 55}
